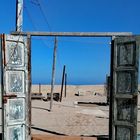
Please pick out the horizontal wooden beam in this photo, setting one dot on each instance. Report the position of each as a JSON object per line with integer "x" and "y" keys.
{"x": 74, "y": 34}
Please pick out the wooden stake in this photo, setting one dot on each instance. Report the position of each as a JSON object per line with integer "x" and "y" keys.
{"x": 53, "y": 73}
{"x": 39, "y": 88}
{"x": 65, "y": 85}
{"x": 62, "y": 84}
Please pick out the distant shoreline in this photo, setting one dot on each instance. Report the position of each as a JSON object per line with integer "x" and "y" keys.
{"x": 72, "y": 84}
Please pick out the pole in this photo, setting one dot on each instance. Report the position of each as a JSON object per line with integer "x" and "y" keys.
{"x": 19, "y": 15}
{"x": 29, "y": 83}
{"x": 62, "y": 84}
{"x": 65, "y": 85}
{"x": 53, "y": 72}
{"x": 111, "y": 131}
{"x": 39, "y": 88}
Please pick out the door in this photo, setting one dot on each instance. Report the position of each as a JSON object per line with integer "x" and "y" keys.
{"x": 16, "y": 87}
{"x": 124, "y": 88}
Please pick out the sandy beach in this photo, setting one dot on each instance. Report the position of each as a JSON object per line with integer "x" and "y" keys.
{"x": 69, "y": 118}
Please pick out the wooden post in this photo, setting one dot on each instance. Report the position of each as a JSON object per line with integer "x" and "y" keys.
{"x": 19, "y": 15}
{"x": 53, "y": 72}
{"x": 65, "y": 85}
{"x": 39, "y": 88}
{"x": 30, "y": 82}
{"x": 62, "y": 84}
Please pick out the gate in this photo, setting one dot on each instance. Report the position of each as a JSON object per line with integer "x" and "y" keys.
{"x": 124, "y": 88}
{"x": 16, "y": 93}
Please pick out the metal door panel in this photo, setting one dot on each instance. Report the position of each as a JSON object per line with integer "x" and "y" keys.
{"x": 123, "y": 49}
{"x": 14, "y": 54}
{"x": 15, "y": 83}
{"x": 15, "y": 111}
{"x": 124, "y": 82}
{"x": 124, "y": 110}
{"x": 16, "y": 132}
{"x": 123, "y": 133}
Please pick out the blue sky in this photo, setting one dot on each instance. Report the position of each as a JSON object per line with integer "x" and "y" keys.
{"x": 87, "y": 60}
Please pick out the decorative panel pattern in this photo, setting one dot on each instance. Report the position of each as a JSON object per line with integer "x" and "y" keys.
{"x": 124, "y": 110}
{"x": 15, "y": 82}
{"x": 16, "y": 110}
{"x": 14, "y": 54}
{"x": 16, "y": 132}
{"x": 126, "y": 54}
{"x": 123, "y": 133}
{"x": 124, "y": 82}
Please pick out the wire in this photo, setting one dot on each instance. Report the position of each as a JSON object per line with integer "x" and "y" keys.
{"x": 38, "y": 3}
{"x": 28, "y": 13}
{"x": 34, "y": 26}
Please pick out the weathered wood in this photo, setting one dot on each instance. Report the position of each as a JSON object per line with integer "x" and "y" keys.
{"x": 39, "y": 88}
{"x": 65, "y": 85}
{"x": 2, "y": 87}
{"x": 29, "y": 83}
{"x": 53, "y": 72}
{"x": 19, "y": 15}
{"x": 62, "y": 84}
{"x": 78, "y": 34}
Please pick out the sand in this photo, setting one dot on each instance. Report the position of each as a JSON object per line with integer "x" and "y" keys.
{"x": 67, "y": 117}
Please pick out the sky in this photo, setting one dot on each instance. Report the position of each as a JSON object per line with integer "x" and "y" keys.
{"x": 87, "y": 60}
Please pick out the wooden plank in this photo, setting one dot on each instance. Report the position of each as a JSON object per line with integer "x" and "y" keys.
{"x": 76, "y": 34}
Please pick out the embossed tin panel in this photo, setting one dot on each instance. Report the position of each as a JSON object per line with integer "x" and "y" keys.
{"x": 15, "y": 83}
{"x": 126, "y": 53}
{"x": 123, "y": 133}
{"x": 124, "y": 110}
{"x": 16, "y": 110}
{"x": 124, "y": 82}
{"x": 14, "y": 54}
{"x": 16, "y": 132}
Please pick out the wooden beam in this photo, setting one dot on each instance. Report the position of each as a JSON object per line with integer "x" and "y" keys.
{"x": 75, "y": 34}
